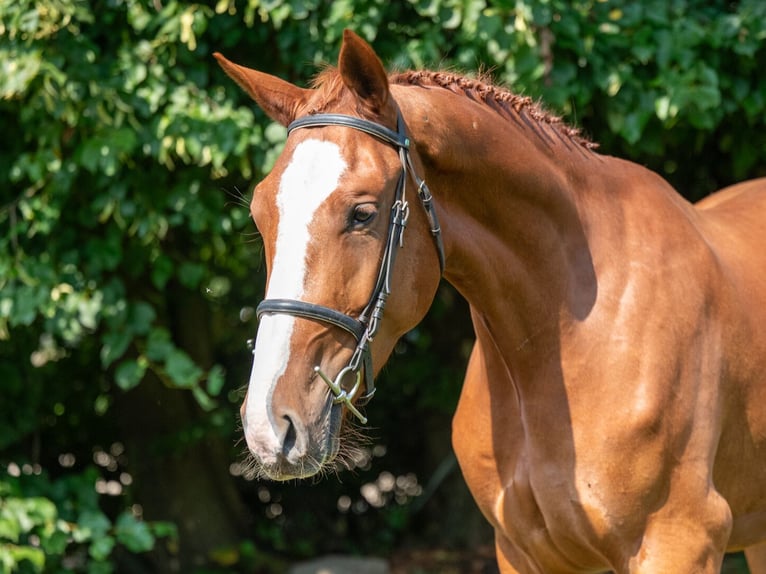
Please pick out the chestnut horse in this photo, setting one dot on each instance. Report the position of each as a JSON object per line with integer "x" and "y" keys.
{"x": 613, "y": 415}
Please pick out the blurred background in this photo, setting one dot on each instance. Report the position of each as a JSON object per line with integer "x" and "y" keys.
{"x": 130, "y": 268}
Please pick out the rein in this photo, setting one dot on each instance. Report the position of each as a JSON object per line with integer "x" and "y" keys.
{"x": 364, "y": 327}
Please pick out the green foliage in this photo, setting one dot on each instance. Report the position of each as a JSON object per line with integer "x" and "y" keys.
{"x": 124, "y": 237}
{"x": 57, "y": 526}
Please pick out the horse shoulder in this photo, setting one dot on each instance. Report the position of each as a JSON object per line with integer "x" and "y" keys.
{"x": 734, "y": 223}
{"x": 486, "y": 451}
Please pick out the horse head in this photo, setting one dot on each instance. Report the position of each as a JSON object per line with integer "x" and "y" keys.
{"x": 332, "y": 215}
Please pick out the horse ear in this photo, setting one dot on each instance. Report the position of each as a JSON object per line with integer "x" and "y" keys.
{"x": 279, "y": 99}
{"x": 362, "y": 71}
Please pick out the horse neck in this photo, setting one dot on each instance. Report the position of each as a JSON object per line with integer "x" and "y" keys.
{"x": 513, "y": 226}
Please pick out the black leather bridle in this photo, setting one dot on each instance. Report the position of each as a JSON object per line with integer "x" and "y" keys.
{"x": 364, "y": 327}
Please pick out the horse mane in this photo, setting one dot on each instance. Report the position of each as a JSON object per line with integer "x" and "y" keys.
{"x": 498, "y": 98}
{"x": 501, "y": 100}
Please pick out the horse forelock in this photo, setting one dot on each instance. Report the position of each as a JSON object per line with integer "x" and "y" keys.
{"x": 332, "y": 93}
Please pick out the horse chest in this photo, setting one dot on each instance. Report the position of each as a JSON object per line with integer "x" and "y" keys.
{"x": 534, "y": 509}
{"x": 539, "y": 519}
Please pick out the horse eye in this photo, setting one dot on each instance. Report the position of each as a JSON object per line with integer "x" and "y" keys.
{"x": 363, "y": 214}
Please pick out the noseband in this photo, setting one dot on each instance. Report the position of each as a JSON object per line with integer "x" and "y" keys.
{"x": 364, "y": 327}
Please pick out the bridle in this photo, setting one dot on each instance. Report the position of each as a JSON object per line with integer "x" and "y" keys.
{"x": 364, "y": 327}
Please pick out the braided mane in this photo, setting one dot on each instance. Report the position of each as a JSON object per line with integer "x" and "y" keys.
{"x": 505, "y": 103}
{"x": 497, "y": 98}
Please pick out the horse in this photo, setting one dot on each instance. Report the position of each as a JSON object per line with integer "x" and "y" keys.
{"x": 613, "y": 412}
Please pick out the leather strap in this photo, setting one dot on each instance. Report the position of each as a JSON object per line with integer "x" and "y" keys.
{"x": 398, "y": 140}
{"x": 314, "y": 312}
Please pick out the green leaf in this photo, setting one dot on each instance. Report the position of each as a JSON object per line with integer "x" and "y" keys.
{"x": 134, "y": 534}
{"x": 18, "y": 68}
{"x": 9, "y": 527}
{"x": 23, "y": 515}
{"x": 28, "y": 302}
{"x": 100, "y": 548}
{"x": 215, "y": 380}
{"x": 190, "y": 274}
{"x": 181, "y": 369}
{"x": 95, "y": 567}
{"x": 91, "y": 525}
{"x": 115, "y": 343}
{"x": 41, "y": 510}
{"x": 56, "y": 543}
{"x": 141, "y": 317}
{"x": 158, "y": 344}
{"x": 202, "y": 398}
{"x": 19, "y": 554}
{"x": 163, "y": 529}
{"x": 129, "y": 373}
{"x": 162, "y": 270}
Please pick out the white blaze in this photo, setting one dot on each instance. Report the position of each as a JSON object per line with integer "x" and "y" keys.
{"x": 312, "y": 175}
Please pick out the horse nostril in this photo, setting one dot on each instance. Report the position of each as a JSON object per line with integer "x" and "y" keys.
{"x": 290, "y": 437}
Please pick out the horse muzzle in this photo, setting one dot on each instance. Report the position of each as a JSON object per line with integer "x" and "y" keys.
{"x": 287, "y": 446}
